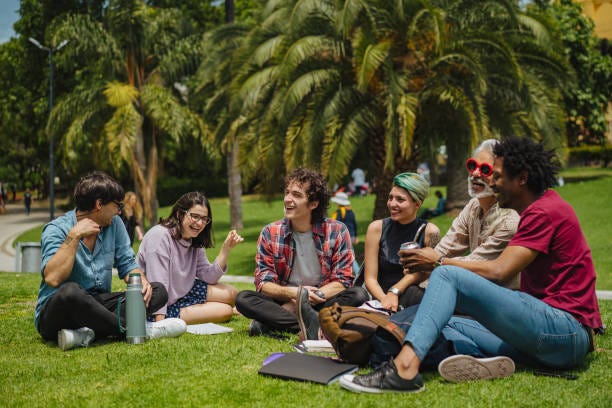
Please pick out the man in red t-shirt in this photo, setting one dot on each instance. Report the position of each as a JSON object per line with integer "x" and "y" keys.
{"x": 548, "y": 323}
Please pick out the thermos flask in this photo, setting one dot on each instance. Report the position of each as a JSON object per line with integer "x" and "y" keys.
{"x": 135, "y": 314}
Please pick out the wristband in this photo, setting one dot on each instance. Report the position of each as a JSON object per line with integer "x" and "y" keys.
{"x": 440, "y": 261}
{"x": 395, "y": 291}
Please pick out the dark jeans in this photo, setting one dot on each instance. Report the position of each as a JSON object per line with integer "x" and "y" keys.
{"x": 72, "y": 307}
{"x": 263, "y": 308}
{"x": 385, "y": 346}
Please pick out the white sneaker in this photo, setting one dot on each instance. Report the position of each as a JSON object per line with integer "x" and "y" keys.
{"x": 68, "y": 339}
{"x": 170, "y": 327}
{"x": 461, "y": 368}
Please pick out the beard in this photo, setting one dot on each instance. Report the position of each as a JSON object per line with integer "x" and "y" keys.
{"x": 486, "y": 192}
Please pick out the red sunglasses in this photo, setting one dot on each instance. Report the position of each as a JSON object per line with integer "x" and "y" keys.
{"x": 486, "y": 169}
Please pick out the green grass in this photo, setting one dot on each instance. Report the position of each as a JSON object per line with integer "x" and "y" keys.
{"x": 221, "y": 371}
{"x": 591, "y": 200}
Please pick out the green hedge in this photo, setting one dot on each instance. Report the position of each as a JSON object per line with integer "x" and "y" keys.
{"x": 588, "y": 155}
{"x": 169, "y": 189}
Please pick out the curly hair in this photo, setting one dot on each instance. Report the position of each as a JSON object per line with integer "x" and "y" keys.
{"x": 524, "y": 154}
{"x": 180, "y": 209}
{"x": 96, "y": 186}
{"x": 317, "y": 190}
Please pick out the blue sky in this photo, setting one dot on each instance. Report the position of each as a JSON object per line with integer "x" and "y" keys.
{"x": 8, "y": 16}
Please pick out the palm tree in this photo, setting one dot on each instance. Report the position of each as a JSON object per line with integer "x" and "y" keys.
{"x": 126, "y": 103}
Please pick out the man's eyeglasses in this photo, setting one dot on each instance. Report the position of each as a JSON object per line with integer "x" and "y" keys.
{"x": 197, "y": 218}
{"x": 472, "y": 165}
{"x": 119, "y": 205}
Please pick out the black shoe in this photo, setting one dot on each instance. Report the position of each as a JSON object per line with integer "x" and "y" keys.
{"x": 385, "y": 379}
{"x": 308, "y": 318}
{"x": 257, "y": 328}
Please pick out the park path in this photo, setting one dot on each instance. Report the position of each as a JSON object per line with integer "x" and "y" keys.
{"x": 15, "y": 222}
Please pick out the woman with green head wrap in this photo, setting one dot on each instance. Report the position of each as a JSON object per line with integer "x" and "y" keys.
{"x": 383, "y": 275}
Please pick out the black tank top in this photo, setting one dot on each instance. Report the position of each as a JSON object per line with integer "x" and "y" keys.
{"x": 393, "y": 235}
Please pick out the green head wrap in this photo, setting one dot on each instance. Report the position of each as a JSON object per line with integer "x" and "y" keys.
{"x": 417, "y": 186}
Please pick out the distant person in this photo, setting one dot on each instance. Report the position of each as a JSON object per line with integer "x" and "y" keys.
{"x": 345, "y": 214}
{"x": 359, "y": 182}
{"x": 384, "y": 275}
{"x": 549, "y": 322}
{"x": 440, "y": 207}
{"x": 131, "y": 216}
{"x": 14, "y": 191}
{"x": 171, "y": 253}
{"x": 79, "y": 251}
{"x": 423, "y": 171}
{"x": 27, "y": 200}
{"x": 304, "y": 262}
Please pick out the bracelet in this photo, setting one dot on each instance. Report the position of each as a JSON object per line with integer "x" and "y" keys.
{"x": 440, "y": 261}
{"x": 395, "y": 291}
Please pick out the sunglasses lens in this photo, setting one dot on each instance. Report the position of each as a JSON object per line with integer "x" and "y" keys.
{"x": 486, "y": 169}
{"x": 471, "y": 165}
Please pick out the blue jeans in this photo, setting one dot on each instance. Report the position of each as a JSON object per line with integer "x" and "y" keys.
{"x": 505, "y": 322}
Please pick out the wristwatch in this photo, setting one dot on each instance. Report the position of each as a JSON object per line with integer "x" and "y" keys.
{"x": 395, "y": 291}
{"x": 440, "y": 261}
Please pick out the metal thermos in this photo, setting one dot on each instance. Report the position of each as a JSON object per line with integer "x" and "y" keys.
{"x": 135, "y": 313}
{"x": 410, "y": 245}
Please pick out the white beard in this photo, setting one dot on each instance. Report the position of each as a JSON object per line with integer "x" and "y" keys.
{"x": 487, "y": 192}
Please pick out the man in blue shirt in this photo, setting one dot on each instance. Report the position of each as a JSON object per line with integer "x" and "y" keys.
{"x": 75, "y": 302}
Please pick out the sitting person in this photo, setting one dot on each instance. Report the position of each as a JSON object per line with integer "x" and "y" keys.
{"x": 548, "y": 323}
{"x": 383, "y": 274}
{"x": 171, "y": 253}
{"x": 79, "y": 250}
{"x": 439, "y": 210}
{"x": 303, "y": 263}
{"x": 345, "y": 214}
{"x": 480, "y": 232}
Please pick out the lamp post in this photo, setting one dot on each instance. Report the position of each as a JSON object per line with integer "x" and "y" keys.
{"x": 51, "y": 169}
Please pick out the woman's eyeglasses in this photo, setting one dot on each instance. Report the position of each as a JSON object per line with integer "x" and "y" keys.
{"x": 197, "y": 218}
{"x": 472, "y": 165}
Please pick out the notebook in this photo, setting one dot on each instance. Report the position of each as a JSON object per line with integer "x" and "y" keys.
{"x": 305, "y": 367}
{"x": 208, "y": 328}
{"x": 314, "y": 346}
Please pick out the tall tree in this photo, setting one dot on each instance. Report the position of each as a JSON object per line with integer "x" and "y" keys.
{"x": 325, "y": 76}
{"x": 126, "y": 100}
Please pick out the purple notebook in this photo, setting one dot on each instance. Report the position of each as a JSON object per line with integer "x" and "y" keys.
{"x": 305, "y": 367}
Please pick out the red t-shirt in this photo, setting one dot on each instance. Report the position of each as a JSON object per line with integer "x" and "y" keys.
{"x": 562, "y": 275}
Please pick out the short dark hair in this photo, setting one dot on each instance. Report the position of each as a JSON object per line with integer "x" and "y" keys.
{"x": 317, "y": 190}
{"x": 179, "y": 211}
{"x": 96, "y": 186}
{"x": 524, "y": 154}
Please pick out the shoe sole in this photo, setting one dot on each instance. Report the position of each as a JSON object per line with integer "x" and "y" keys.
{"x": 300, "y": 317}
{"x": 346, "y": 382}
{"x": 463, "y": 368}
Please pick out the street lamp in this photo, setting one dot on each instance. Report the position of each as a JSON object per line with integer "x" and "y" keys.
{"x": 51, "y": 175}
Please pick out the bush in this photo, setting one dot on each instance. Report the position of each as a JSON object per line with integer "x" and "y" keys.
{"x": 588, "y": 155}
{"x": 170, "y": 188}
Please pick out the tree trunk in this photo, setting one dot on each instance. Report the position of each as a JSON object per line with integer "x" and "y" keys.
{"x": 458, "y": 150}
{"x": 234, "y": 180}
{"x": 234, "y": 187}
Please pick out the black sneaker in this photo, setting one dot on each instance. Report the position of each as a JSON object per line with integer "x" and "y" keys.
{"x": 308, "y": 318}
{"x": 257, "y": 328}
{"x": 385, "y": 379}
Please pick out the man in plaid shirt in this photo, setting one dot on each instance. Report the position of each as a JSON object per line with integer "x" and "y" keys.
{"x": 304, "y": 263}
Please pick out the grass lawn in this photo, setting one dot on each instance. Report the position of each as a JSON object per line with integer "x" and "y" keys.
{"x": 590, "y": 198}
{"x": 221, "y": 371}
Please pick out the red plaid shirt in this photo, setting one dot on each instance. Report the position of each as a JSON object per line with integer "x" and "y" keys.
{"x": 276, "y": 251}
